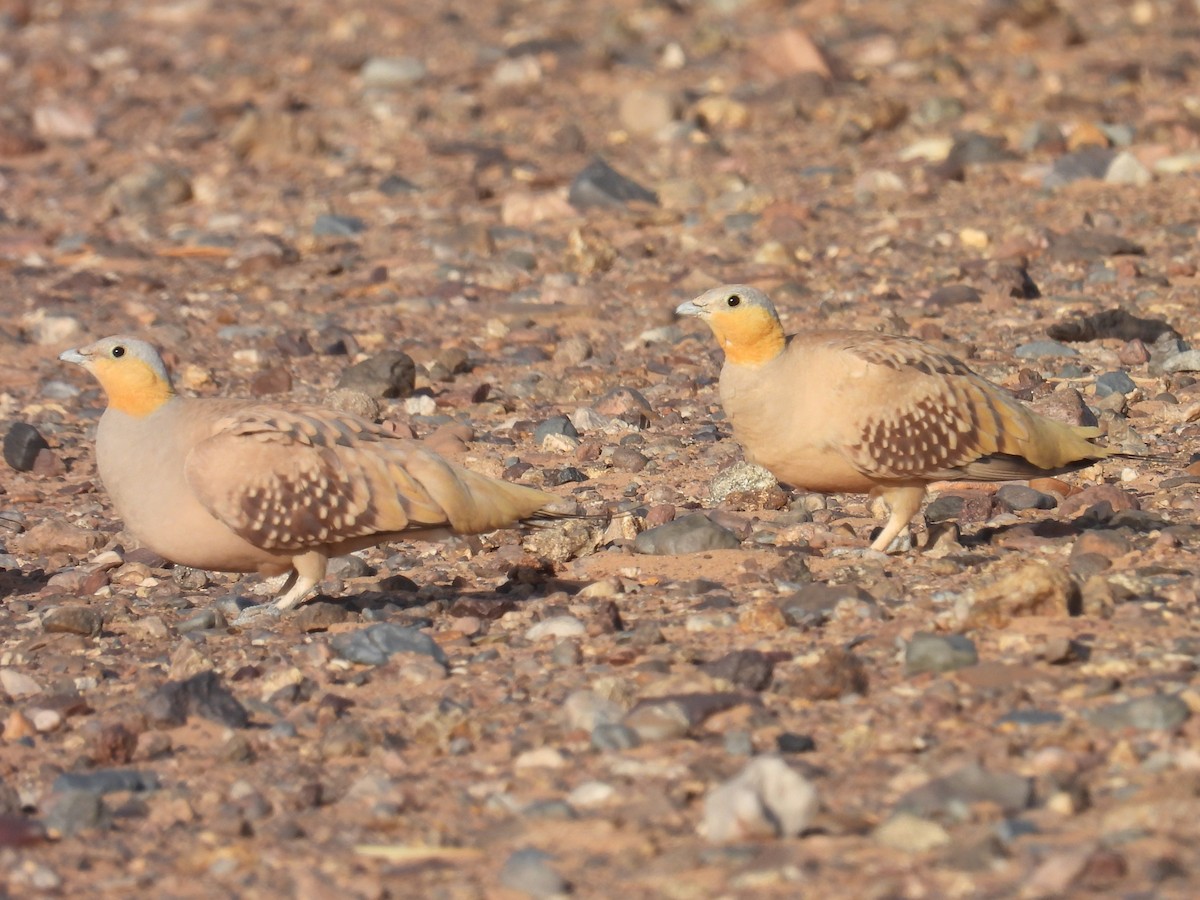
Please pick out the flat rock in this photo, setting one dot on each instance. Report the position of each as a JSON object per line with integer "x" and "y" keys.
{"x": 695, "y": 533}
{"x": 767, "y": 799}
{"x": 938, "y": 653}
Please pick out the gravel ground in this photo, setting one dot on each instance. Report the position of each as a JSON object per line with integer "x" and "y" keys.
{"x": 719, "y": 694}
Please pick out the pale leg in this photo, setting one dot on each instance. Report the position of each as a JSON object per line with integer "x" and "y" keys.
{"x": 309, "y": 570}
{"x": 904, "y": 503}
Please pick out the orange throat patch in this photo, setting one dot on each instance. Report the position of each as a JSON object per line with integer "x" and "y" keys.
{"x": 749, "y": 336}
{"x": 132, "y": 387}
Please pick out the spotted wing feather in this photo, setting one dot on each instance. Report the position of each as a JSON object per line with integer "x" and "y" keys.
{"x": 289, "y": 479}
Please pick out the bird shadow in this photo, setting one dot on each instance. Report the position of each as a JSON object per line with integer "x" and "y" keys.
{"x": 14, "y": 582}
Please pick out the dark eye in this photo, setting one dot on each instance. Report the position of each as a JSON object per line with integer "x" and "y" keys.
{"x": 733, "y": 299}
{"x": 118, "y": 352}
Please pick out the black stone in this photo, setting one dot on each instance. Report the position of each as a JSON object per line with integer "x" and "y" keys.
{"x": 22, "y": 444}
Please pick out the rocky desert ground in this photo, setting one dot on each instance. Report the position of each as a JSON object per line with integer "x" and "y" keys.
{"x": 477, "y": 220}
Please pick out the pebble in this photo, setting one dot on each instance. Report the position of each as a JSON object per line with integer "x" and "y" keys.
{"x": 22, "y": 444}
{"x": 647, "y": 111}
{"x": 1019, "y": 496}
{"x": 555, "y": 425}
{"x": 659, "y": 720}
{"x": 614, "y": 736}
{"x": 73, "y": 620}
{"x": 391, "y": 71}
{"x": 766, "y": 799}
{"x": 1186, "y": 361}
{"x": 1086, "y": 163}
{"x": 1114, "y": 383}
{"x": 836, "y": 673}
{"x": 695, "y": 533}
{"x": 375, "y": 644}
{"x": 812, "y": 605}
{"x": 1126, "y": 168}
{"x": 150, "y": 189}
{"x": 591, "y": 793}
{"x": 556, "y": 627}
{"x": 530, "y": 872}
{"x": 600, "y": 185}
{"x": 1033, "y": 589}
{"x": 319, "y": 616}
{"x": 72, "y": 811}
{"x": 333, "y": 225}
{"x": 951, "y": 796}
{"x": 628, "y": 459}
{"x": 938, "y": 653}
{"x": 911, "y": 834}
{"x": 201, "y": 695}
{"x": 789, "y": 742}
{"x": 202, "y": 620}
{"x": 1159, "y": 712}
{"x": 587, "y": 710}
{"x": 54, "y": 535}
{"x": 18, "y": 685}
{"x": 106, "y": 781}
{"x": 386, "y": 375}
{"x": 741, "y": 477}
{"x": 1041, "y": 349}
{"x": 749, "y": 669}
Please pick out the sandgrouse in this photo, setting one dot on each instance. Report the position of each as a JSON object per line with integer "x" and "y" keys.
{"x": 247, "y": 486}
{"x": 858, "y": 411}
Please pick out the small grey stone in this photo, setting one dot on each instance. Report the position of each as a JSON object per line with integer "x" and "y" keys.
{"x": 944, "y": 508}
{"x": 950, "y": 796}
{"x": 691, "y": 534}
{"x": 529, "y": 872}
{"x": 1020, "y": 496}
{"x": 628, "y": 459}
{"x": 599, "y": 184}
{"x": 333, "y": 225}
{"x": 554, "y": 425}
{"x": 1114, "y": 383}
{"x": 202, "y": 620}
{"x": 106, "y": 781}
{"x": 1039, "y": 349}
{"x": 587, "y": 710}
{"x": 1126, "y": 168}
{"x": 394, "y": 185}
{"x": 1159, "y": 712}
{"x": 750, "y": 669}
{"x": 814, "y": 604}
{"x": 566, "y": 654}
{"x": 348, "y": 567}
{"x": 149, "y": 189}
{"x": 1186, "y": 361}
{"x": 375, "y": 644}
{"x": 938, "y": 653}
{"x": 22, "y": 443}
{"x": 1088, "y": 162}
{"x": 789, "y": 742}
{"x": 388, "y": 375}
{"x": 937, "y": 111}
{"x": 1030, "y": 717}
{"x": 201, "y": 695}
{"x": 556, "y": 627}
{"x": 391, "y": 71}
{"x": 70, "y": 812}
{"x": 565, "y": 475}
{"x": 614, "y": 736}
{"x": 659, "y": 720}
{"x": 73, "y": 620}
{"x": 738, "y": 478}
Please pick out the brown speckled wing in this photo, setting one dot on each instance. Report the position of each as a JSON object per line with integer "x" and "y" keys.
{"x": 287, "y": 479}
{"x": 936, "y": 420}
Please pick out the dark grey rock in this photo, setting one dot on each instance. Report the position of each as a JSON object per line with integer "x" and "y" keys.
{"x": 348, "y": 567}
{"x": 73, "y": 620}
{"x": 201, "y": 695}
{"x": 1089, "y": 162}
{"x": 565, "y": 475}
{"x": 554, "y": 425}
{"x": 599, "y": 184}
{"x": 319, "y": 615}
{"x": 106, "y": 781}
{"x": 529, "y": 872}
{"x": 395, "y": 185}
{"x": 789, "y": 742}
{"x": 949, "y": 797}
{"x": 691, "y": 534}
{"x": 1030, "y": 717}
{"x": 22, "y": 444}
{"x": 1159, "y": 712}
{"x": 938, "y": 653}
{"x": 1114, "y": 383}
{"x": 814, "y": 604}
{"x": 70, "y": 812}
{"x": 1115, "y": 323}
{"x": 1020, "y": 496}
{"x": 375, "y": 644}
{"x": 944, "y": 508}
{"x": 331, "y": 225}
{"x": 750, "y": 669}
{"x": 386, "y": 375}
{"x": 628, "y": 459}
{"x": 953, "y": 295}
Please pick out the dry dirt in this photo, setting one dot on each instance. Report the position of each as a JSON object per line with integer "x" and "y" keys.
{"x": 273, "y": 192}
